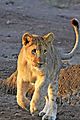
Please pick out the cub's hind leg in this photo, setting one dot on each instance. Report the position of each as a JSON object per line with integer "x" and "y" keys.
{"x": 30, "y": 90}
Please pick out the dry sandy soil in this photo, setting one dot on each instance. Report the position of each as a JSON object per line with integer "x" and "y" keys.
{"x": 17, "y": 17}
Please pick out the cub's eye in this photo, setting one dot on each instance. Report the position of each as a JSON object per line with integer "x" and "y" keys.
{"x": 33, "y": 51}
{"x": 45, "y": 51}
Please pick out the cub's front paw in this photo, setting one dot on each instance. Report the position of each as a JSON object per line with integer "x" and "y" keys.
{"x": 46, "y": 117}
{"x": 42, "y": 113}
{"x": 33, "y": 108}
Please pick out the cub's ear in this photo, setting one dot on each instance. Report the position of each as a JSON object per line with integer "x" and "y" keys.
{"x": 49, "y": 37}
{"x": 26, "y": 38}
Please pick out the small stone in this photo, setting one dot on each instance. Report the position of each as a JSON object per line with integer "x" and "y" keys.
{"x": 17, "y": 114}
{"x": 2, "y": 112}
{"x": 8, "y": 22}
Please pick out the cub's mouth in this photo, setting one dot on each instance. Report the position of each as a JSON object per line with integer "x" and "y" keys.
{"x": 40, "y": 65}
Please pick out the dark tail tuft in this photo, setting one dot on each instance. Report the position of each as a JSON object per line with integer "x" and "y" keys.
{"x": 75, "y": 22}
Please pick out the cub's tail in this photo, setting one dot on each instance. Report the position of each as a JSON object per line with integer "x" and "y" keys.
{"x": 75, "y": 25}
{"x": 9, "y": 85}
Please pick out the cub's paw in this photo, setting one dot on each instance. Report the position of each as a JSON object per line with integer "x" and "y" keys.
{"x": 41, "y": 114}
{"x": 46, "y": 117}
{"x": 33, "y": 108}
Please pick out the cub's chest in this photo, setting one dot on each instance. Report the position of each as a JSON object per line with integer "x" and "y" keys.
{"x": 36, "y": 75}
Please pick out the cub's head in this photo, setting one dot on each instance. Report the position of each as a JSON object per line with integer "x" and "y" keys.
{"x": 35, "y": 48}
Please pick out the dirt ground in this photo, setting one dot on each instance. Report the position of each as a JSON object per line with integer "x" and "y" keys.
{"x": 39, "y": 17}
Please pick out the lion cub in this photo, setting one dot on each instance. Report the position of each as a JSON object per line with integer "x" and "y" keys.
{"x": 32, "y": 67}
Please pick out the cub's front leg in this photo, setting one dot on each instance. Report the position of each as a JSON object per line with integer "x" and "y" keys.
{"x": 22, "y": 88}
{"x": 51, "y": 110}
{"x": 37, "y": 93}
{"x": 51, "y": 104}
{"x": 43, "y": 112}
